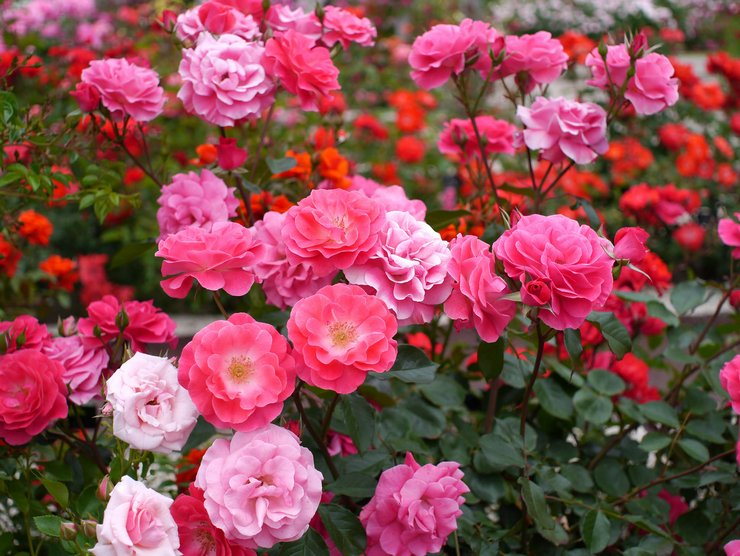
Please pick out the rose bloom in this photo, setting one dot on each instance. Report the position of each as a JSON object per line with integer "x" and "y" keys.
{"x": 477, "y": 292}
{"x": 729, "y": 232}
{"x": 408, "y": 271}
{"x": 445, "y": 50}
{"x": 304, "y": 70}
{"x": 345, "y": 27}
{"x": 614, "y": 72}
{"x": 340, "y": 334}
{"x": 217, "y": 18}
{"x": 35, "y": 227}
{"x": 230, "y": 155}
{"x": 389, "y": 197}
{"x": 195, "y": 199}
{"x": 690, "y": 236}
{"x": 568, "y": 258}
{"x": 540, "y": 56}
{"x": 729, "y": 378}
{"x": 126, "y": 89}
{"x": 260, "y": 487}
{"x": 32, "y": 395}
{"x": 238, "y": 372}
{"x": 224, "y": 80}
{"x": 136, "y": 521}
{"x": 151, "y": 411}
{"x": 410, "y": 149}
{"x": 332, "y": 229}
{"x": 563, "y": 128}
{"x": 732, "y": 548}
{"x": 458, "y": 137}
{"x": 282, "y": 17}
{"x": 414, "y": 508}
{"x": 221, "y": 257}
{"x": 653, "y": 88}
{"x": 629, "y": 244}
{"x": 83, "y": 366}
{"x": 24, "y": 332}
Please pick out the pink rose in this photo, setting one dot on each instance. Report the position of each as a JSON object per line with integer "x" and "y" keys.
{"x": 569, "y": 258}
{"x": 32, "y": 395}
{"x": 83, "y": 366}
{"x": 260, "y": 487}
{"x": 137, "y": 521}
{"x": 345, "y": 27}
{"x": 389, "y": 197}
{"x": 729, "y": 378}
{"x": 303, "y": 69}
{"x": 151, "y": 411}
{"x": 125, "y": 88}
{"x": 217, "y": 18}
{"x": 238, "y": 372}
{"x": 221, "y": 257}
{"x": 535, "y": 293}
{"x": 224, "y": 80}
{"x": 23, "y": 332}
{"x": 230, "y": 156}
{"x": 340, "y": 334}
{"x": 477, "y": 298}
{"x": 458, "y": 137}
{"x": 408, "y": 270}
{"x": 87, "y": 96}
{"x": 282, "y": 17}
{"x": 629, "y": 244}
{"x": 563, "y": 128}
{"x": 414, "y": 508}
{"x": 729, "y": 233}
{"x": 536, "y": 59}
{"x": 614, "y": 72}
{"x": 653, "y": 88}
{"x": 732, "y": 548}
{"x": 332, "y": 229}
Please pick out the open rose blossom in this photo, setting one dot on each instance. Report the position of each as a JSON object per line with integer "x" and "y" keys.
{"x": 304, "y": 70}
{"x": 223, "y": 79}
{"x": 83, "y": 366}
{"x": 345, "y": 27}
{"x": 32, "y": 395}
{"x": 561, "y": 128}
{"x": 151, "y": 411}
{"x": 477, "y": 298}
{"x": 340, "y": 334}
{"x": 24, "y": 332}
{"x": 408, "y": 271}
{"x": 238, "y": 372}
{"x": 729, "y": 232}
{"x": 414, "y": 508}
{"x": 136, "y": 521}
{"x": 217, "y": 18}
{"x": 125, "y": 88}
{"x": 193, "y": 199}
{"x": 260, "y": 487}
{"x": 538, "y": 59}
{"x": 389, "y": 197}
{"x": 332, "y": 229}
{"x": 221, "y": 257}
{"x": 570, "y": 259}
{"x": 732, "y": 548}
{"x": 729, "y": 378}
{"x": 282, "y": 17}
{"x": 458, "y": 137}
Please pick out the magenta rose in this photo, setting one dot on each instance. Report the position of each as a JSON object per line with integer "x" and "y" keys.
{"x": 729, "y": 378}
{"x": 345, "y": 28}
{"x": 282, "y": 17}
{"x": 458, "y": 137}
{"x": 614, "y": 72}
{"x": 87, "y": 97}
{"x": 729, "y": 232}
{"x": 536, "y": 59}
{"x": 217, "y": 18}
{"x": 24, "y": 332}
{"x": 629, "y": 244}
{"x": 230, "y": 155}
{"x": 389, "y": 197}
{"x": 83, "y": 366}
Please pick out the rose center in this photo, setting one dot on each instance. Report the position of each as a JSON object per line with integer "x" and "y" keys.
{"x": 241, "y": 368}
{"x": 342, "y": 333}
{"x": 205, "y": 540}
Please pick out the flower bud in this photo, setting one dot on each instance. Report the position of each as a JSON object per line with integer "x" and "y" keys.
{"x": 68, "y": 531}
{"x": 89, "y": 528}
{"x": 230, "y": 156}
{"x": 104, "y": 488}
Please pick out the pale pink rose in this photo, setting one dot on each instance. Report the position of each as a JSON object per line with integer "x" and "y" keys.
{"x": 536, "y": 59}
{"x": 136, "y": 521}
{"x": 562, "y": 128}
{"x": 238, "y": 372}
{"x": 445, "y": 50}
{"x": 83, "y": 366}
{"x": 571, "y": 259}
{"x": 477, "y": 292}
{"x": 284, "y": 283}
{"x": 729, "y": 232}
{"x": 188, "y": 26}
{"x": 332, "y": 229}
{"x": 222, "y": 257}
{"x": 408, "y": 270}
{"x": 217, "y": 18}
{"x": 732, "y": 548}
{"x": 224, "y": 79}
{"x": 629, "y": 244}
{"x": 340, "y": 334}
{"x": 458, "y": 137}
{"x": 345, "y": 27}
{"x": 389, "y": 197}
{"x": 151, "y": 411}
{"x": 304, "y": 70}
{"x": 24, "y": 332}
{"x": 414, "y": 508}
{"x": 653, "y": 88}
{"x": 193, "y": 199}
{"x": 260, "y": 487}
{"x": 125, "y": 88}
{"x": 614, "y": 72}
{"x": 282, "y": 17}
{"x": 729, "y": 378}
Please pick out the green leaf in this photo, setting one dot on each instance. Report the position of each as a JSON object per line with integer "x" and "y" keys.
{"x": 694, "y": 449}
{"x": 356, "y": 485}
{"x": 658, "y": 310}
{"x": 611, "y": 478}
{"x": 694, "y": 527}
{"x": 654, "y": 441}
{"x": 445, "y": 392}
{"x": 687, "y": 296}
{"x": 614, "y": 331}
{"x": 605, "y": 382}
{"x": 279, "y": 165}
{"x": 573, "y": 343}
{"x": 57, "y": 490}
{"x": 344, "y": 529}
{"x": 412, "y": 366}
{"x": 203, "y": 431}
{"x": 48, "y": 524}
{"x": 534, "y": 498}
{"x": 660, "y": 412}
{"x": 496, "y": 454}
{"x": 596, "y": 530}
{"x": 439, "y": 219}
{"x": 491, "y": 358}
{"x": 426, "y": 421}
{"x": 553, "y": 398}
{"x": 131, "y": 252}
{"x": 579, "y": 477}
{"x": 310, "y": 544}
{"x": 592, "y": 407}
{"x": 359, "y": 417}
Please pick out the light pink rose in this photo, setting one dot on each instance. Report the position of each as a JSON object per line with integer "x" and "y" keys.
{"x": 125, "y": 88}
{"x": 408, "y": 270}
{"x": 563, "y": 128}
{"x": 222, "y": 257}
{"x": 238, "y": 372}
{"x": 653, "y": 88}
{"x": 629, "y": 244}
{"x": 536, "y": 59}
{"x": 571, "y": 259}
{"x": 136, "y": 521}
{"x": 83, "y": 366}
{"x": 304, "y": 70}
{"x": 195, "y": 199}
{"x": 151, "y": 411}
{"x": 217, "y": 18}
{"x": 282, "y": 17}
{"x": 345, "y": 27}
{"x": 614, "y": 72}
{"x": 729, "y": 378}
{"x": 458, "y": 137}
{"x": 414, "y": 508}
{"x": 389, "y": 197}
{"x": 477, "y": 292}
{"x": 224, "y": 79}
{"x": 729, "y": 232}
{"x": 340, "y": 334}
{"x": 260, "y": 487}
{"x": 332, "y": 229}
{"x": 24, "y": 332}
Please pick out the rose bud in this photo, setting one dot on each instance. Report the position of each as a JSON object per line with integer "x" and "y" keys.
{"x": 535, "y": 293}
{"x": 629, "y": 244}
{"x": 104, "y": 489}
{"x": 87, "y": 96}
{"x": 68, "y": 531}
{"x": 229, "y": 155}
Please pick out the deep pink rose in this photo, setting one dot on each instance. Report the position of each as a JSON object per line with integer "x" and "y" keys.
{"x": 345, "y": 27}
{"x": 571, "y": 259}
{"x": 125, "y": 88}
{"x": 24, "y": 332}
{"x": 340, "y": 334}
{"x": 230, "y": 155}
{"x": 282, "y": 17}
{"x": 536, "y": 59}
{"x": 217, "y": 18}
{"x": 477, "y": 292}
{"x": 458, "y": 137}
{"x": 629, "y": 244}
{"x": 221, "y": 257}
{"x": 614, "y": 72}
{"x": 535, "y": 293}
{"x": 414, "y": 508}
{"x": 238, "y": 372}
{"x": 260, "y": 487}
{"x": 83, "y": 366}
{"x": 732, "y": 548}
{"x": 32, "y": 395}
{"x": 87, "y": 96}
{"x": 653, "y": 87}
{"x": 389, "y": 197}
{"x": 729, "y": 378}
{"x": 561, "y": 128}
{"x": 729, "y": 232}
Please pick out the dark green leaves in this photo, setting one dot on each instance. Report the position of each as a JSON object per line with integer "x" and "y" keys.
{"x": 614, "y": 332}
{"x": 687, "y": 296}
{"x": 344, "y": 529}
{"x": 594, "y": 408}
{"x": 412, "y": 366}
{"x": 356, "y": 485}
{"x": 553, "y": 398}
{"x": 439, "y": 219}
{"x": 605, "y": 382}
{"x": 48, "y": 524}
{"x": 310, "y": 544}
{"x": 491, "y": 358}
{"x": 359, "y": 418}
{"x": 595, "y": 529}
{"x": 279, "y": 165}
{"x": 534, "y": 498}
{"x": 660, "y": 412}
